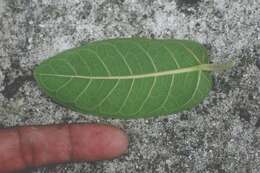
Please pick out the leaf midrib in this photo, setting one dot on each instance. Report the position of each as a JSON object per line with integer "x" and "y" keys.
{"x": 202, "y": 67}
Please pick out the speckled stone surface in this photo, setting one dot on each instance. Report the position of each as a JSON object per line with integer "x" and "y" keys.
{"x": 221, "y": 135}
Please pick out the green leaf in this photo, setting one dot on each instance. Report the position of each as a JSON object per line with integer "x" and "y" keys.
{"x": 129, "y": 78}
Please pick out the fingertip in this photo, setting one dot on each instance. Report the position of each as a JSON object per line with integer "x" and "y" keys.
{"x": 98, "y": 142}
{"x": 118, "y": 143}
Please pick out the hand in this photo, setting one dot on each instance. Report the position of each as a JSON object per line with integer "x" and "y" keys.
{"x": 33, "y": 146}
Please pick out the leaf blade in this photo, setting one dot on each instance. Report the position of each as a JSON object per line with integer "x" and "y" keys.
{"x": 128, "y": 78}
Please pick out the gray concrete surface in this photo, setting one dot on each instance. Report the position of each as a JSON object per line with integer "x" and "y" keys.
{"x": 221, "y": 135}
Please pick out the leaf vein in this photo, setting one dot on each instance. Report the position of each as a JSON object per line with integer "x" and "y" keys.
{"x": 195, "y": 91}
{"x": 114, "y": 46}
{"x": 84, "y": 62}
{"x": 167, "y": 96}
{"x": 82, "y": 92}
{"x": 208, "y": 81}
{"x": 62, "y": 86}
{"x": 70, "y": 65}
{"x": 138, "y": 76}
{"x": 148, "y": 55}
{"x": 190, "y": 51}
{"x": 100, "y": 59}
{"x": 127, "y": 96}
{"x": 43, "y": 83}
{"x": 109, "y": 93}
{"x": 172, "y": 56}
{"x": 147, "y": 97}
{"x": 50, "y": 65}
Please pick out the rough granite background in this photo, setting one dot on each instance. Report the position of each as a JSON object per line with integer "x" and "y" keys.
{"x": 221, "y": 135}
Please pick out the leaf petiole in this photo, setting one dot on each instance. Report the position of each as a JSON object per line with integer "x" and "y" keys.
{"x": 216, "y": 67}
